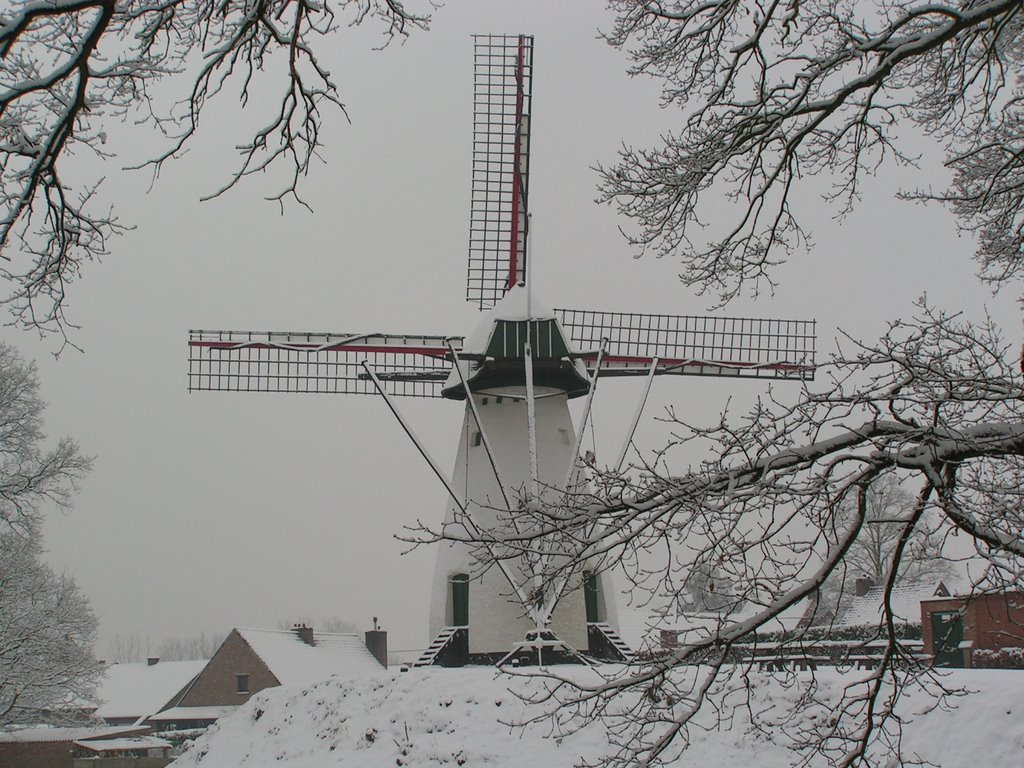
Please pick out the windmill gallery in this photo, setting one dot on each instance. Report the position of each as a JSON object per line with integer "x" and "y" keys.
{"x": 518, "y": 448}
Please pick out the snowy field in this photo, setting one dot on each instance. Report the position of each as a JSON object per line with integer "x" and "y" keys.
{"x": 461, "y": 717}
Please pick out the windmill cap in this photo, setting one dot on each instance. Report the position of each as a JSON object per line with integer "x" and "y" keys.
{"x": 511, "y": 308}
{"x": 514, "y": 303}
{"x": 498, "y": 348}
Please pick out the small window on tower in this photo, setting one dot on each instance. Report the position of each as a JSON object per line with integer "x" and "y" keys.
{"x": 242, "y": 683}
{"x": 477, "y": 439}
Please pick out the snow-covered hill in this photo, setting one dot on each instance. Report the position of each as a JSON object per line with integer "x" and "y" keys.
{"x": 439, "y": 717}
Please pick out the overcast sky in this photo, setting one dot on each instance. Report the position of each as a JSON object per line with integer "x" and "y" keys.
{"x": 210, "y": 510}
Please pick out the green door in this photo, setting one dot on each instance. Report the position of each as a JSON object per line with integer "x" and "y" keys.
{"x": 590, "y": 596}
{"x": 460, "y": 600}
{"x": 947, "y": 635}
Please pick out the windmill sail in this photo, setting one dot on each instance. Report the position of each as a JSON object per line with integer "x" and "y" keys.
{"x": 247, "y": 361}
{"x": 699, "y": 345}
{"x": 518, "y": 445}
{"x": 503, "y": 76}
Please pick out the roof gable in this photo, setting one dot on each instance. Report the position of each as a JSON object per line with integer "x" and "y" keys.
{"x": 294, "y": 662}
{"x": 139, "y": 690}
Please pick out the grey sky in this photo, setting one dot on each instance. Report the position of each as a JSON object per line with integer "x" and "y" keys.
{"x": 208, "y": 511}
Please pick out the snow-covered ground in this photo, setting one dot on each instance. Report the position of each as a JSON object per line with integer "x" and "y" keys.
{"x": 438, "y": 717}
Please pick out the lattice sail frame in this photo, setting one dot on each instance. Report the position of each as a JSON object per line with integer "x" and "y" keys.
{"x": 502, "y": 85}
{"x": 320, "y": 363}
{"x": 695, "y": 345}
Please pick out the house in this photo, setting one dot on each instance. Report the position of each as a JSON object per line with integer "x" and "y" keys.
{"x": 130, "y": 693}
{"x": 865, "y": 607}
{"x": 666, "y": 624}
{"x": 250, "y": 660}
{"x": 808, "y": 633}
{"x": 51, "y": 747}
{"x": 982, "y": 630}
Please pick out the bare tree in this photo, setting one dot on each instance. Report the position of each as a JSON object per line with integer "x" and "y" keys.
{"x": 46, "y": 625}
{"x": 31, "y": 478}
{"x": 69, "y": 69}
{"x": 201, "y": 646}
{"x": 781, "y": 502}
{"x": 47, "y": 667}
{"x": 776, "y": 92}
{"x": 887, "y": 506}
{"x": 937, "y": 401}
{"x": 127, "y": 649}
{"x": 332, "y": 624}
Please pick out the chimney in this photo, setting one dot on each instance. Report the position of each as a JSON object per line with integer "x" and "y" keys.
{"x": 862, "y": 584}
{"x": 304, "y": 633}
{"x": 377, "y": 643}
{"x": 152, "y": 661}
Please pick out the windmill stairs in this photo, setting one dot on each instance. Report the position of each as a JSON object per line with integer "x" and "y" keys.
{"x": 445, "y": 638}
{"x": 606, "y": 644}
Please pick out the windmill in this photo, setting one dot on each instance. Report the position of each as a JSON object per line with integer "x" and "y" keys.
{"x": 516, "y": 373}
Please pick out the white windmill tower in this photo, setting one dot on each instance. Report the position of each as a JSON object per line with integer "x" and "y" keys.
{"x": 516, "y": 373}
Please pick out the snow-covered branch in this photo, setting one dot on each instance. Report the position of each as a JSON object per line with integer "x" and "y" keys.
{"x": 72, "y": 69}
{"x": 789, "y": 90}
{"x": 771, "y": 521}
{"x": 31, "y": 478}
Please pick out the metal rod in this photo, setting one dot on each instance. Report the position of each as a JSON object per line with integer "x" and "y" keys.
{"x": 636, "y": 418}
{"x": 412, "y": 436}
{"x": 480, "y": 426}
{"x": 531, "y": 416}
{"x": 466, "y": 516}
{"x": 531, "y": 422}
{"x": 548, "y": 607}
{"x": 586, "y": 414}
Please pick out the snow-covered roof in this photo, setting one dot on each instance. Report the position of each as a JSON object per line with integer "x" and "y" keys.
{"x": 294, "y": 662}
{"x": 213, "y": 712}
{"x": 45, "y": 733}
{"x": 640, "y": 628}
{"x": 519, "y": 304}
{"x": 511, "y": 308}
{"x": 906, "y": 604}
{"x": 139, "y": 690}
{"x": 130, "y": 742}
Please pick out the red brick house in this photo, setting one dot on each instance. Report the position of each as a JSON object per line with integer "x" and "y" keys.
{"x": 250, "y": 660}
{"x": 976, "y": 630}
{"x": 48, "y": 747}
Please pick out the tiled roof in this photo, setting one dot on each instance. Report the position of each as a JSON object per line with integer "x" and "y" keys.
{"x": 38, "y": 734}
{"x": 905, "y": 600}
{"x": 293, "y": 662}
{"x": 119, "y": 745}
{"x": 212, "y": 712}
{"x": 139, "y": 690}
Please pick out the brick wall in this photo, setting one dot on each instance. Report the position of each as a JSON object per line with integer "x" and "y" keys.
{"x": 990, "y": 621}
{"x": 40, "y": 754}
{"x": 998, "y": 621}
{"x": 216, "y": 684}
